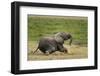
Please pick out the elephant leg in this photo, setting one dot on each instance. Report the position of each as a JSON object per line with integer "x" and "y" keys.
{"x": 47, "y": 52}
{"x": 61, "y": 48}
{"x": 65, "y": 50}
{"x": 50, "y": 50}
{"x": 53, "y": 49}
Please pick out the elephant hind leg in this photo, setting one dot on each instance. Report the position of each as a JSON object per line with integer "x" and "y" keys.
{"x": 47, "y": 52}
{"x": 52, "y": 52}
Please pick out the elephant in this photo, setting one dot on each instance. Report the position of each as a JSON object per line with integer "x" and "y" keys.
{"x": 48, "y": 45}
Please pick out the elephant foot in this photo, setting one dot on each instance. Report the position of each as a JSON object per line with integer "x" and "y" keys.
{"x": 66, "y": 51}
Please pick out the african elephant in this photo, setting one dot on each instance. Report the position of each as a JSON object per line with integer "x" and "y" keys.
{"x": 48, "y": 45}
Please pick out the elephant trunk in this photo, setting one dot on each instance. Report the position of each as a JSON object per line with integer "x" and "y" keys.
{"x": 70, "y": 41}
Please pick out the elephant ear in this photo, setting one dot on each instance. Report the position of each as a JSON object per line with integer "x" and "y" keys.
{"x": 58, "y": 38}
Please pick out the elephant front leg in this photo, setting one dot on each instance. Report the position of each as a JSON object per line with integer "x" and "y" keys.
{"x": 65, "y": 50}
{"x": 61, "y": 48}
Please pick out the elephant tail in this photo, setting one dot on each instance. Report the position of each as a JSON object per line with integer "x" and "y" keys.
{"x": 35, "y": 50}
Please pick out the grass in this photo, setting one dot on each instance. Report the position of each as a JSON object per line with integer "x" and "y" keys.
{"x": 40, "y": 26}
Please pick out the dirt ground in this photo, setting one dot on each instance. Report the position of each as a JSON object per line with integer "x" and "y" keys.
{"x": 74, "y": 52}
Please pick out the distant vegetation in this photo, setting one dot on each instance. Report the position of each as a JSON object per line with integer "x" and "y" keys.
{"x": 40, "y": 26}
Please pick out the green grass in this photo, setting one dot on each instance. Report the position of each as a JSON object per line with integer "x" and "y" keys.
{"x": 41, "y": 26}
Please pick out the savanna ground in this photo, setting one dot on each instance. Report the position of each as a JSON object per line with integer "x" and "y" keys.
{"x": 43, "y": 26}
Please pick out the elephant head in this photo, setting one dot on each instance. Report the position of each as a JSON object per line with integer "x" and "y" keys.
{"x": 62, "y": 36}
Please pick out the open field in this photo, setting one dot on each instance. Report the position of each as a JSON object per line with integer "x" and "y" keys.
{"x": 42, "y": 26}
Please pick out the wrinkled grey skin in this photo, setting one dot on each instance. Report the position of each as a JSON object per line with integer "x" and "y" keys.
{"x": 48, "y": 45}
